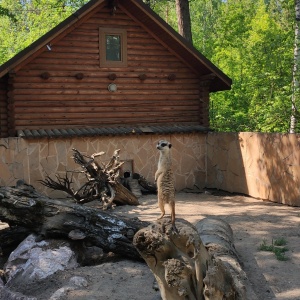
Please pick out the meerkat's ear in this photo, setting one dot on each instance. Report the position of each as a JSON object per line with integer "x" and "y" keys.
{"x": 170, "y": 145}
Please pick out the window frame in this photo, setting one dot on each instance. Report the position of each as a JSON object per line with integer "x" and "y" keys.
{"x": 103, "y": 32}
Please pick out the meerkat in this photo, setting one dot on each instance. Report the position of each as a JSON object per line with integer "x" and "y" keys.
{"x": 165, "y": 180}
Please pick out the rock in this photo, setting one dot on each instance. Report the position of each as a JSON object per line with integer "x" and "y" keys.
{"x": 6, "y": 294}
{"x": 75, "y": 283}
{"x": 34, "y": 261}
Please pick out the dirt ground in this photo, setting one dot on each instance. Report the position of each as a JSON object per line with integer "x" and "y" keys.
{"x": 253, "y": 221}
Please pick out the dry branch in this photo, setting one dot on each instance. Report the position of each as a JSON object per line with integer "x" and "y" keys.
{"x": 102, "y": 184}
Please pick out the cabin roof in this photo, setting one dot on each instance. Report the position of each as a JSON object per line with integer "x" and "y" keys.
{"x": 111, "y": 131}
{"x": 151, "y": 22}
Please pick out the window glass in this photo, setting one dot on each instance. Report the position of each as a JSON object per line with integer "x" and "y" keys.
{"x": 113, "y": 47}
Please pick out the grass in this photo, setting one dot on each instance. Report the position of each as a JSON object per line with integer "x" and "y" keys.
{"x": 277, "y": 247}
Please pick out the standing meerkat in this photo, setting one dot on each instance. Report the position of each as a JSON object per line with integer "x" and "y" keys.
{"x": 165, "y": 180}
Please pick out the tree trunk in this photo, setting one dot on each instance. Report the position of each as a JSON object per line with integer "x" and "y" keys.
{"x": 296, "y": 71}
{"x": 25, "y": 207}
{"x": 184, "y": 19}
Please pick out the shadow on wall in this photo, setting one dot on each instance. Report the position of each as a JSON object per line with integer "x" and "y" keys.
{"x": 225, "y": 165}
{"x": 279, "y": 167}
{"x": 265, "y": 166}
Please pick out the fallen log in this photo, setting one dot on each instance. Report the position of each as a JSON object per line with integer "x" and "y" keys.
{"x": 11, "y": 237}
{"x": 225, "y": 277}
{"x": 51, "y": 218}
{"x": 197, "y": 263}
{"x": 177, "y": 260}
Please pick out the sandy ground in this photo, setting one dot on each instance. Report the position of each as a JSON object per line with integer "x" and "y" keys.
{"x": 252, "y": 221}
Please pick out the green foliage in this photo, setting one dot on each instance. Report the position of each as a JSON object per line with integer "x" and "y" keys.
{"x": 5, "y": 12}
{"x": 252, "y": 42}
{"x": 276, "y": 248}
{"x": 24, "y": 21}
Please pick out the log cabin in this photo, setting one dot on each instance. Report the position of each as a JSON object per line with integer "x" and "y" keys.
{"x": 112, "y": 75}
{"x": 113, "y": 67}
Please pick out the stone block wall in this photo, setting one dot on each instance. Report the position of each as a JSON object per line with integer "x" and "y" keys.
{"x": 261, "y": 165}
{"x": 265, "y": 166}
{"x": 33, "y": 160}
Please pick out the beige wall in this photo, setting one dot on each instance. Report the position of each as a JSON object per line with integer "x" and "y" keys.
{"x": 265, "y": 166}
{"x": 32, "y": 160}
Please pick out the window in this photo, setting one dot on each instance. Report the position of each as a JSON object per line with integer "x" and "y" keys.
{"x": 113, "y": 47}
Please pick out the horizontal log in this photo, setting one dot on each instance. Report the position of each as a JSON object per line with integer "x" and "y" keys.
{"x": 122, "y": 113}
{"x": 107, "y": 21}
{"x": 78, "y": 48}
{"x": 64, "y": 61}
{"x": 11, "y": 237}
{"x": 73, "y": 49}
{"x": 106, "y": 97}
{"x": 55, "y": 112}
{"x": 59, "y": 83}
{"x": 68, "y": 43}
{"x": 95, "y": 62}
{"x": 95, "y": 76}
{"x": 23, "y": 206}
{"x": 68, "y": 55}
{"x": 130, "y": 85}
{"x": 94, "y": 69}
{"x": 83, "y": 37}
{"x": 98, "y": 104}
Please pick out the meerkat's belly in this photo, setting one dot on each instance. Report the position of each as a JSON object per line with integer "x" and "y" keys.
{"x": 165, "y": 187}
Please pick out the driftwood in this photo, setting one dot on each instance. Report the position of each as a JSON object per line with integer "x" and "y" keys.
{"x": 146, "y": 185}
{"x": 187, "y": 268}
{"x": 25, "y": 207}
{"x": 102, "y": 183}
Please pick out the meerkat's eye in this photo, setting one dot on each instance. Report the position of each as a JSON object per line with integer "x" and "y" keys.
{"x": 163, "y": 144}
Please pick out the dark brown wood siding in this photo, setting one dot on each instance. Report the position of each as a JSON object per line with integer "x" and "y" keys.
{"x": 3, "y": 107}
{"x": 62, "y": 100}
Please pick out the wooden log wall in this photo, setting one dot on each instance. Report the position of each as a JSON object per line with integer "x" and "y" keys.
{"x": 3, "y": 108}
{"x": 66, "y": 87}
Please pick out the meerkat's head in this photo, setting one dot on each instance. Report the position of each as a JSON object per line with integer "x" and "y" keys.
{"x": 163, "y": 145}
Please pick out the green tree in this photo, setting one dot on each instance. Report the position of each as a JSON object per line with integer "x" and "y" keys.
{"x": 252, "y": 43}
{"x": 24, "y": 21}
{"x": 296, "y": 70}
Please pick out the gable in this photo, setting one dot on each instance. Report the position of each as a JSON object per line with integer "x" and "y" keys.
{"x": 62, "y": 84}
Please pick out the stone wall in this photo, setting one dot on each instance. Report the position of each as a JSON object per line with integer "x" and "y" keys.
{"x": 265, "y": 166}
{"x": 33, "y": 160}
